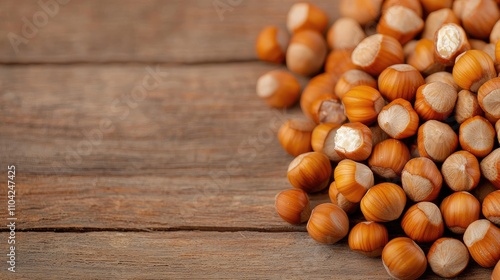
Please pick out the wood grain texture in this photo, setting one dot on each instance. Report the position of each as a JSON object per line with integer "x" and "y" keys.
{"x": 184, "y": 31}
{"x": 195, "y": 255}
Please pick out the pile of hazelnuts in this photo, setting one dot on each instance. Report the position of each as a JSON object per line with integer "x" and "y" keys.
{"x": 402, "y": 124}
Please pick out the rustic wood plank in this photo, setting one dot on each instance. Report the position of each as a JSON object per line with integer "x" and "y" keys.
{"x": 185, "y": 31}
{"x": 198, "y": 151}
{"x": 193, "y": 255}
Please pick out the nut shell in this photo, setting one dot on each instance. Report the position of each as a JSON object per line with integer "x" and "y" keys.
{"x": 353, "y": 179}
{"x": 328, "y": 223}
{"x": 368, "y": 238}
{"x": 482, "y": 238}
{"x": 404, "y": 259}
{"x": 491, "y": 207}
{"x": 310, "y": 172}
{"x": 278, "y": 88}
{"x": 306, "y": 53}
{"x": 271, "y": 44}
{"x": 383, "y": 202}
{"x": 423, "y": 222}
{"x": 398, "y": 119}
{"x": 448, "y": 257}
{"x": 293, "y": 206}
{"x": 377, "y": 52}
{"x": 421, "y": 179}
{"x": 295, "y": 136}
{"x": 459, "y": 210}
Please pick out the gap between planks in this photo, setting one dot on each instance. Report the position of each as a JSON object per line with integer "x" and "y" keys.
{"x": 153, "y": 229}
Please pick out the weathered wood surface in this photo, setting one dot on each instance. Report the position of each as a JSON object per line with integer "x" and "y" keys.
{"x": 194, "y": 255}
{"x": 178, "y": 182}
{"x": 185, "y": 31}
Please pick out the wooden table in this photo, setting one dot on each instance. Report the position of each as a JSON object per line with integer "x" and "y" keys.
{"x": 141, "y": 149}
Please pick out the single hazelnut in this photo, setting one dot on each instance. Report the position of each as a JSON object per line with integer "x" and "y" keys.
{"x": 328, "y": 109}
{"x": 295, "y": 136}
{"x": 421, "y": 179}
{"x": 436, "y": 140}
{"x": 377, "y": 52}
{"x": 306, "y": 53}
{"x": 328, "y": 223}
{"x": 404, "y": 259}
{"x": 491, "y": 207}
{"x": 278, "y": 88}
{"x": 351, "y": 79}
{"x": 398, "y": 119}
{"x": 444, "y": 77}
{"x": 401, "y": 23}
{"x": 388, "y": 158}
{"x": 353, "y": 179}
{"x": 293, "y": 206}
{"x": 383, "y": 202}
{"x": 339, "y": 199}
{"x": 472, "y": 69}
{"x": 459, "y": 210}
{"x": 310, "y": 172}
{"x": 339, "y": 61}
{"x": 434, "y": 5}
{"x": 477, "y": 136}
{"x": 422, "y": 222}
{"x": 271, "y": 44}
{"x": 467, "y": 106}
{"x": 435, "y": 101}
{"x": 306, "y": 16}
{"x": 490, "y": 167}
{"x": 450, "y": 40}
{"x": 345, "y": 34}
{"x": 400, "y": 81}
{"x": 461, "y": 171}
{"x": 489, "y": 97}
{"x": 478, "y": 17}
{"x": 482, "y": 238}
{"x": 362, "y": 104}
{"x": 448, "y": 257}
{"x": 363, "y": 11}
{"x": 423, "y": 58}
{"x": 368, "y": 238}
{"x": 354, "y": 141}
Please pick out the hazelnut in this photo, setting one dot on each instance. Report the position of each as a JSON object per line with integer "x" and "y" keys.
{"x": 398, "y": 119}
{"x": 461, "y": 171}
{"x": 368, "y": 238}
{"x": 482, "y": 238}
{"x": 448, "y": 257}
{"x": 388, "y": 158}
{"x": 413, "y": 5}
{"x": 423, "y": 58}
{"x": 491, "y": 207}
{"x": 354, "y": 141}
{"x": 271, "y": 44}
{"x": 472, "y": 69}
{"x": 310, "y": 172}
{"x": 345, "y": 34}
{"x": 328, "y": 223}
{"x": 318, "y": 87}
{"x": 435, "y": 101}
{"x": 352, "y": 179}
{"x": 421, "y": 179}
{"x": 339, "y": 199}
{"x": 477, "y": 136}
{"x": 401, "y": 23}
{"x": 362, "y": 104}
{"x": 404, "y": 259}
{"x": 377, "y": 52}
{"x": 444, "y": 77}
{"x": 306, "y": 53}
{"x": 400, "y": 81}
{"x": 423, "y": 222}
{"x": 467, "y": 106}
{"x": 434, "y": 5}
{"x": 363, "y": 11}
{"x": 436, "y": 19}
{"x": 450, "y": 40}
{"x": 323, "y": 140}
{"x": 339, "y": 61}
{"x": 278, "y": 88}
{"x": 383, "y": 202}
{"x": 490, "y": 167}
{"x": 293, "y": 206}
{"x": 328, "y": 109}
{"x": 306, "y": 16}
{"x": 459, "y": 210}
{"x": 489, "y": 97}
{"x": 351, "y": 79}
{"x": 436, "y": 140}
{"x": 295, "y": 136}
{"x": 478, "y": 17}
